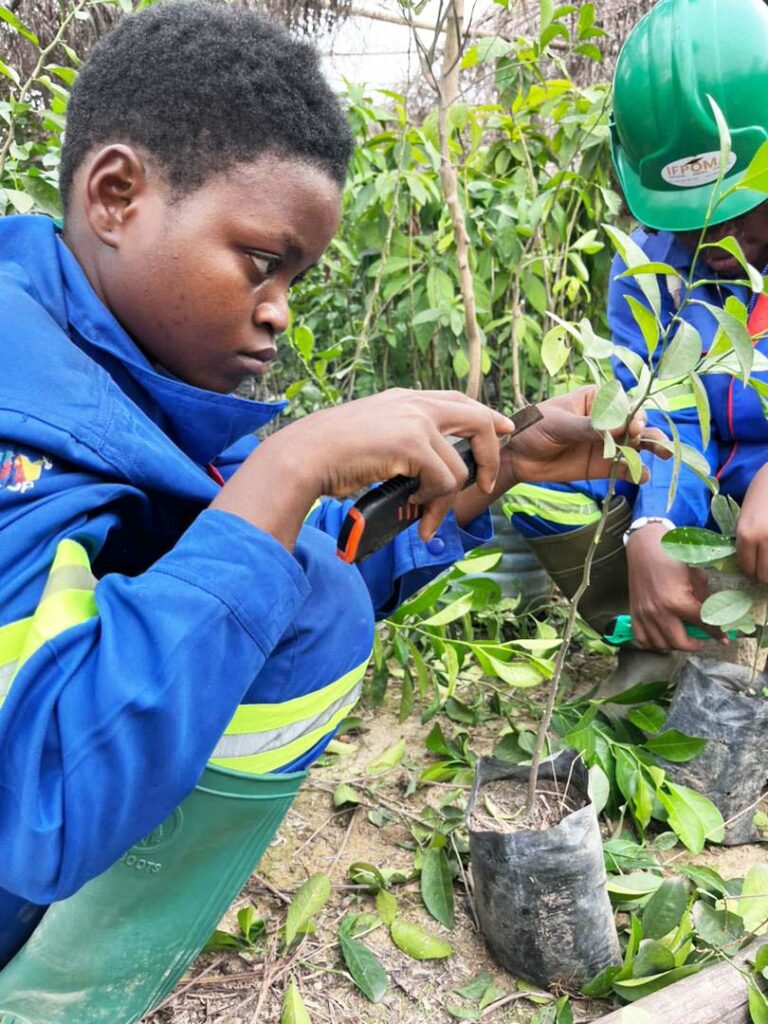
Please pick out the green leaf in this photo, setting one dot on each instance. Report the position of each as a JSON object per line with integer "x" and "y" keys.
{"x": 634, "y": 885}
{"x": 635, "y": 464}
{"x": 485, "y": 50}
{"x": 648, "y": 717}
{"x": 482, "y": 561}
{"x": 758, "y": 1005}
{"x": 223, "y": 940}
{"x": 304, "y": 339}
{"x": 726, "y": 607}
{"x": 365, "y": 968}
{"x": 634, "y": 257}
{"x": 519, "y": 674}
{"x": 554, "y": 350}
{"x": 599, "y": 787}
{"x": 663, "y": 911}
{"x": 716, "y": 928}
{"x": 547, "y": 13}
{"x": 675, "y": 746}
{"x": 703, "y": 410}
{"x": 705, "y": 879}
{"x": 696, "y": 546}
{"x": 418, "y": 943}
{"x": 654, "y": 267}
{"x": 476, "y": 988}
{"x": 637, "y": 988}
{"x": 682, "y": 353}
{"x": 22, "y": 202}
{"x": 386, "y": 906}
{"x": 724, "y": 134}
{"x": 737, "y": 334}
{"x": 725, "y": 511}
{"x": 646, "y": 321}
{"x": 756, "y": 175}
{"x": 753, "y": 905}
{"x": 600, "y": 986}
{"x": 461, "y": 1012}
{"x": 344, "y": 795}
{"x": 9, "y": 72}
{"x": 388, "y": 760}
{"x": 310, "y": 898}
{"x": 455, "y": 610}
{"x": 731, "y": 245}
{"x": 693, "y": 817}
{"x": 437, "y": 886}
{"x": 19, "y": 26}
{"x": 610, "y": 408}
{"x": 652, "y": 958}
{"x": 294, "y": 1011}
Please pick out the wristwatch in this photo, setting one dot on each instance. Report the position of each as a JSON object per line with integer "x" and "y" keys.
{"x": 638, "y": 524}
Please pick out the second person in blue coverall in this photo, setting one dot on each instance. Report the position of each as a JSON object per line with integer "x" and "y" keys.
{"x": 681, "y": 52}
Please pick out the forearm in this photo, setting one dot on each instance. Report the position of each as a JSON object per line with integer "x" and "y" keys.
{"x": 273, "y": 489}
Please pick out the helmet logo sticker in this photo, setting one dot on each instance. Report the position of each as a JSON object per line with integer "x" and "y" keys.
{"x": 696, "y": 170}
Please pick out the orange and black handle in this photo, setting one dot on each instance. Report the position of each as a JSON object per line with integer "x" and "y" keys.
{"x": 387, "y": 510}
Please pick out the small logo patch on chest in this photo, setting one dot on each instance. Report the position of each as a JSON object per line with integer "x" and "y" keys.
{"x": 21, "y": 472}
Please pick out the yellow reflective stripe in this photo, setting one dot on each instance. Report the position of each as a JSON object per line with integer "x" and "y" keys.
{"x": 677, "y": 402}
{"x": 55, "y": 614}
{"x": 566, "y": 507}
{"x": 262, "y": 717}
{"x": 315, "y": 505}
{"x": 271, "y": 759}
{"x": 69, "y": 552}
{"x": 12, "y": 639}
{"x": 67, "y": 600}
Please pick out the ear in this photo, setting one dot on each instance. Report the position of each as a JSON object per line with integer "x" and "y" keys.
{"x": 116, "y": 179}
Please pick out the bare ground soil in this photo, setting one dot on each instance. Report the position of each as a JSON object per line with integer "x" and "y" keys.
{"x": 243, "y": 988}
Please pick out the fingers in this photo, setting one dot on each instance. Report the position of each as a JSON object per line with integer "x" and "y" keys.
{"x": 752, "y": 549}
{"x": 651, "y": 439}
{"x": 633, "y": 429}
{"x": 665, "y": 629}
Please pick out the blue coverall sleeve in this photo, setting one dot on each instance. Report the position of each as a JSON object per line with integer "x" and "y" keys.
{"x": 87, "y": 769}
{"x": 407, "y": 563}
{"x": 401, "y": 567}
{"x": 690, "y": 503}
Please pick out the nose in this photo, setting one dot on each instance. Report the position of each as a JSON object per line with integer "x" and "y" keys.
{"x": 272, "y": 309}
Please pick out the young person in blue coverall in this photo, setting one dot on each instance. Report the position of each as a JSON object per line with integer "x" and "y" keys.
{"x": 666, "y": 155}
{"x": 171, "y": 596}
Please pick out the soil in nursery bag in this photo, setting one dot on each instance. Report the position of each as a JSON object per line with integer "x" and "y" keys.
{"x": 724, "y": 704}
{"x": 540, "y": 882}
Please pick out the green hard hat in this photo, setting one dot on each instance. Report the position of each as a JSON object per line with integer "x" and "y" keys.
{"x": 664, "y": 136}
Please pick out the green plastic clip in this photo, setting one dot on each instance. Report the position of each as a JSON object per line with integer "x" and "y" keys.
{"x": 622, "y": 632}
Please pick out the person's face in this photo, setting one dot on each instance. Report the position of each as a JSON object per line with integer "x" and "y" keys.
{"x": 750, "y": 231}
{"x": 201, "y": 283}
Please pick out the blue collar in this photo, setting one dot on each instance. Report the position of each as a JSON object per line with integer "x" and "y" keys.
{"x": 201, "y": 423}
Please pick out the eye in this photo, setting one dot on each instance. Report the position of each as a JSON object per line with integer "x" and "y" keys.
{"x": 265, "y": 263}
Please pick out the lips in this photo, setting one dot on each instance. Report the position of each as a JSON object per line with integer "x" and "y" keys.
{"x": 722, "y": 264}
{"x": 256, "y": 362}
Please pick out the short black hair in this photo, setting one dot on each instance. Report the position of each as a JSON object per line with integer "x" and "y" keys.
{"x": 203, "y": 86}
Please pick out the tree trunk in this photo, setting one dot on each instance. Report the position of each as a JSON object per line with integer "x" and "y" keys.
{"x": 448, "y": 90}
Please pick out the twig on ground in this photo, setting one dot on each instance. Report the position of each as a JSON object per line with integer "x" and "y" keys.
{"x": 190, "y": 984}
{"x": 262, "y": 883}
{"x": 350, "y": 826}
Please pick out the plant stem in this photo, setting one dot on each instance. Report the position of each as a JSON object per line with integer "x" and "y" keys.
{"x": 554, "y": 684}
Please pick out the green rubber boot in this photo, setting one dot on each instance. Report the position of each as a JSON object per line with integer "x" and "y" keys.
{"x": 563, "y": 556}
{"x": 113, "y": 951}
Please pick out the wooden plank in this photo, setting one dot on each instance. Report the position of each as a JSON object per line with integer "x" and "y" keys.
{"x": 716, "y": 995}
